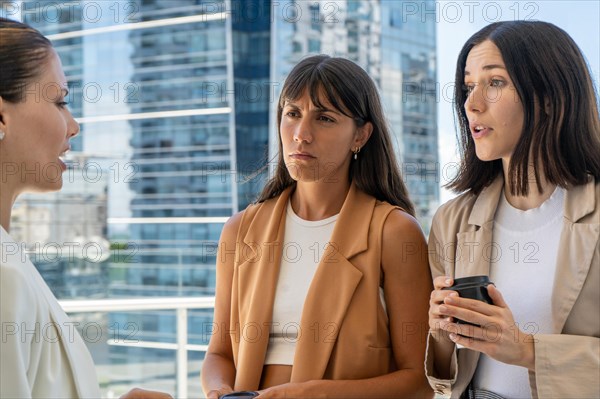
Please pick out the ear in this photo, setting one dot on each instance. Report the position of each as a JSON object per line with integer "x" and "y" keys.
{"x": 363, "y": 134}
{"x": 2, "y": 112}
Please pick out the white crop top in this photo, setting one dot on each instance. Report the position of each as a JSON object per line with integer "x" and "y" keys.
{"x": 303, "y": 246}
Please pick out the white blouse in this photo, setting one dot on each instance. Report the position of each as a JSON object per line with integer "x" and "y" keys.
{"x": 41, "y": 353}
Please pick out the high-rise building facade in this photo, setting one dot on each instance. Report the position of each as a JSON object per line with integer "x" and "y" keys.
{"x": 177, "y": 105}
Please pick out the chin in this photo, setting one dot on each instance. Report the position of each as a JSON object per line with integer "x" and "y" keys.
{"x": 302, "y": 173}
{"x": 485, "y": 156}
{"x": 48, "y": 188}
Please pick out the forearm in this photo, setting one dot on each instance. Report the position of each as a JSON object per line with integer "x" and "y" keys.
{"x": 218, "y": 374}
{"x": 400, "y": 384}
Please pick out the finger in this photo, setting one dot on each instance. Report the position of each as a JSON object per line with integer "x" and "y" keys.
{"x": 440, "y": 323}
{"x": 471, "y": 304}
{"x": 437, "y": 296}
{"x": 470, "y": 343}
{"x": 473, "y": 331}
{"x": 442, "y": 281}
{"x": 439, "y": 311}
{"x": 496, "y": 296}
{"x": 464, "y": 314}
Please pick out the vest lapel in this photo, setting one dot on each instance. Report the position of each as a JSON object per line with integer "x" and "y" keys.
{"x": 256, "y": 277}
{"x": 332, "y": 288}
{"x": 578, "y": 241}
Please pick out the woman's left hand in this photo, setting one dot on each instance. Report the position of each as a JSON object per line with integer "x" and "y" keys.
{"x": 498, "y": 337}
{"x": 289, "y": 390}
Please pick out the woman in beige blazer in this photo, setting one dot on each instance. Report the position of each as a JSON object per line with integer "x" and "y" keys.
{"x": 363, "y": 319}
{"x": 529, "y": 131}
{"x": 41, "y": 353}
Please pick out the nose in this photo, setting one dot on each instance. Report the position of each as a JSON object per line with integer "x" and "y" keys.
{"x": 302, "y": 133}
{"x": 72, "y": 127}
{"x": 476, "y": 101}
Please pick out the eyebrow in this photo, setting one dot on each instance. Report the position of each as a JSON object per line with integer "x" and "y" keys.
{"x": 323, "y": 109}
{"x": 317, "y": 109}
{"x": 489, "y": 67}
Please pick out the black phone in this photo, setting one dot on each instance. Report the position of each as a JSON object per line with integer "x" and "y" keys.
{"x": 240, "y": 395}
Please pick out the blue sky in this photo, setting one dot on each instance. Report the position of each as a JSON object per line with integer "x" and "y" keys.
{"x": 458, "y": 20}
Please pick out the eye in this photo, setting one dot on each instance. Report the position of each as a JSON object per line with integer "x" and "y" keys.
{"x": 292, "y": 114}
{"x": 497, "y": 83}
{"x": 62, "y": 104}
{"x": 468, "y": 88}
{"x": 325, "y": 118}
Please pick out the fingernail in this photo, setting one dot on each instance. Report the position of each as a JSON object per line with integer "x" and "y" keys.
{"x": 453, "y": 337}
{"x": 449, "y": 281}
{"x": 453, "y": 294}
{"x": 449, "y": 299}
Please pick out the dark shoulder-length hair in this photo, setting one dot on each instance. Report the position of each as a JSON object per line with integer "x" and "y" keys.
{"x": 23, "y": 51}
{"x": 353, "y": 93}
{"x": 561, "y": 129}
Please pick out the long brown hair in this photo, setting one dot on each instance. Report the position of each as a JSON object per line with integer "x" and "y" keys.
{"x": 350, "y": 90}
{"x": 23, "y": 51}
{"x": 561, "y": 127}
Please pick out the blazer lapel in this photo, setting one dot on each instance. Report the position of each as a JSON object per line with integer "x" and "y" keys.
{"x": 578, "y": 241}
{"x": 332, "y": 288}
{"x": 475, "y": 249}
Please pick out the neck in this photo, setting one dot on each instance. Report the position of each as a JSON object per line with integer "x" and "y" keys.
{"x": 319, "y": 200}
{"x": 7, "y": 199}
{"x": 534, "y": 198}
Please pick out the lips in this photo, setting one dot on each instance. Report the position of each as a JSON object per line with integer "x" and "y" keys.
{"x": 479, "y": 130}
{"x": 61, "y": 158}
{"x": 301, "y": 156}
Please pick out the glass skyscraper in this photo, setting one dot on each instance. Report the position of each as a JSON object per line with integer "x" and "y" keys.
{"x": 177, "y": 105}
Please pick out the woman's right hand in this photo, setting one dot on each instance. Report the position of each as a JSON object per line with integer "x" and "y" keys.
{"x": 437, "y": 319}
{"x": 138, "y": 393}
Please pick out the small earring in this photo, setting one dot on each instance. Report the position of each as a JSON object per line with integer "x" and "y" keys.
{"x": 2, "y": 135}
{"x": 356, "y": 151}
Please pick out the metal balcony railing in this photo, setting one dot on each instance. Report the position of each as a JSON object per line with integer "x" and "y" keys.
{"x": 180, "y": 305}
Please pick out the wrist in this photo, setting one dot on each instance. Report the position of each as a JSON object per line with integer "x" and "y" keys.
{"x": 528, "y": 353}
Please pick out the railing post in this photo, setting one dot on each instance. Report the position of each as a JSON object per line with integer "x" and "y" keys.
{"x": 182, "y": 358}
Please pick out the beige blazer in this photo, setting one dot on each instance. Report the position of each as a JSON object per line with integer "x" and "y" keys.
{"x": 41, "y": 353}
{"x": 343, "y": 330}
{"x": 567, "y": 362}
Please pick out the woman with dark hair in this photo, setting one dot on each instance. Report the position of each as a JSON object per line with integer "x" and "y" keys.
{"x": 528, "y": 218}
{"x": 323, "y": 284}
{"x": 42, "y": 354}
